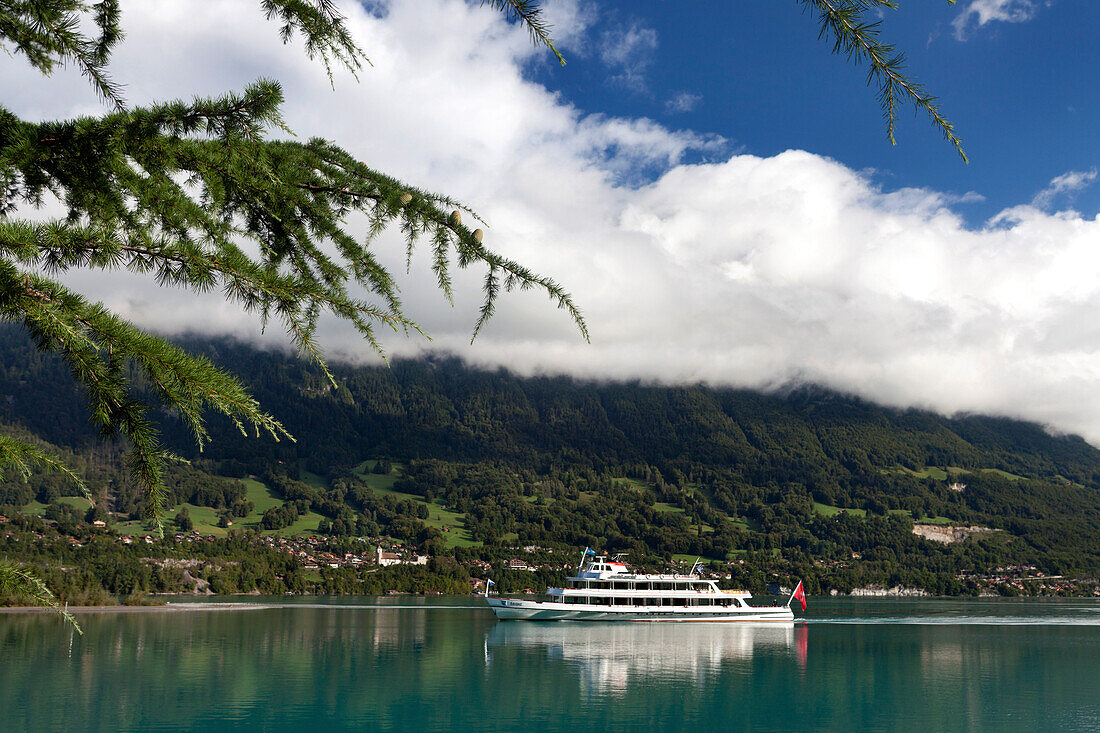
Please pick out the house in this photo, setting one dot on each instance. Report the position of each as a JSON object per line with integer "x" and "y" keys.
{"x": 516, "y": 564}
{"x": 99, "y": 523}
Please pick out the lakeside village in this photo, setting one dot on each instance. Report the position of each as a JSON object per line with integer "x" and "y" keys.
{"x": 369, "y": 554}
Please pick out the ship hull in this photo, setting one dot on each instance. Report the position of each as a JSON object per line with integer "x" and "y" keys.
{"x": 510, "y": 608}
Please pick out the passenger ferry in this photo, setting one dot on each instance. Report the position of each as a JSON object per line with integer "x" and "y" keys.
{"x": 605, "y": 590}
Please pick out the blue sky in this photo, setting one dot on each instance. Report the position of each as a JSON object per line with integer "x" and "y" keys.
{"x": 711, "y": 184}
{"x": 1023, "y": 95}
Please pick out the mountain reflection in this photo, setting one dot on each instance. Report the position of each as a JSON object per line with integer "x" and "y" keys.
{"x": 611, "y": 655}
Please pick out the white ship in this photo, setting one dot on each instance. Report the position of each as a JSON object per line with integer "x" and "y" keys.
{"x": 606, "y": 590}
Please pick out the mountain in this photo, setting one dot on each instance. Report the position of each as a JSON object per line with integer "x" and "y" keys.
{"x": 793, "y": 482}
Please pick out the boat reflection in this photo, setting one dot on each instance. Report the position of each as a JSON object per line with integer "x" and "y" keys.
{"x": 611, "y": 655}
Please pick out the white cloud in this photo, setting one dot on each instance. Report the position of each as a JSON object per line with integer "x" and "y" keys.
{"x": 684, "y": 102}
{"x": 627, "y": 50}
{"x": 1067, "y": 183}
{"x": 748, "y": 271}
{"x": 980, "y": 12}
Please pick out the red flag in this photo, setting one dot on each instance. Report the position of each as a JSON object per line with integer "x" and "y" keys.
{"x": 800, "y": 595}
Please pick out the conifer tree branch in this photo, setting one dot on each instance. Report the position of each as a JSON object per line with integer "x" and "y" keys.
{"x": 858, "y": 39}
{"x": 23, "y": 584}
{"x": 96, "y": 345}
{"x": 22, "y": 456}
{"x": 322, "y": 25}
{"x": 530, "y": 15}
{"x": 49, "y": 32}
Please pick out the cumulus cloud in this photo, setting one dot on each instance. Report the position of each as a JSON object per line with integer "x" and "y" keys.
{"x": 749, "y": 271}
{"x": 980, "y": 12}
{"x": 1067, "y": 183}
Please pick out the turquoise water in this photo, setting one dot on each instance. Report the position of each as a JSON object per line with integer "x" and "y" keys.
{"x": 446, "y": 664}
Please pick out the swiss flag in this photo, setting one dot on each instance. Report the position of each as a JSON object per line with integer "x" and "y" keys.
{"x": 800, "y": 595}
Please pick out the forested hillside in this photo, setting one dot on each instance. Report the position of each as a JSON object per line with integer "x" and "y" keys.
{"x": 470, "y": 462}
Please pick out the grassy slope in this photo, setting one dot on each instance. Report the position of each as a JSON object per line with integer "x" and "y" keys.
{"x": 948, "y": 472}
{"x": 452, "y": 524}
{"x": 37, "y": 508}
{"x": 827, "y": 510}
{"x": 205, "y": 519}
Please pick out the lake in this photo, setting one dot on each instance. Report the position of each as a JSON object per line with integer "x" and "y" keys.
{"x": 446, "y": 664}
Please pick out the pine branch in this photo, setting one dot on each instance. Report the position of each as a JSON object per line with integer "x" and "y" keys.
{"x": 21, "y": 583}
{"x": 530, "y": 15}
{"x": 96, "y": 345}
{"x": 323, "y": 27}
{"x": 287, "y": 197}
{"x": 22, "y": 456}
{"x": 858, "y": 39}
{"x": 48, "y": 33}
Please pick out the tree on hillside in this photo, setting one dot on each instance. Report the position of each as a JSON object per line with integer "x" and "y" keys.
{"x": 204, "y": 194}
{"x": 183, "y": 520}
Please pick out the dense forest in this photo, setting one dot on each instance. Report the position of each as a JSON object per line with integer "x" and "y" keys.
{"x": 469, "y": 464}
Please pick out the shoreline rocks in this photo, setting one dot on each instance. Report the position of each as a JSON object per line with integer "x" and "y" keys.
{"x": 895, "y": 592}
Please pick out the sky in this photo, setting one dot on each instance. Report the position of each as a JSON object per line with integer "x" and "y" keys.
{"x": 711, "y": 184}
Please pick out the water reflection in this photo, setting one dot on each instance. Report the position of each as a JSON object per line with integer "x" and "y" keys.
{"x": 370, "y": 665}
{"x": 610, "y": 656}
